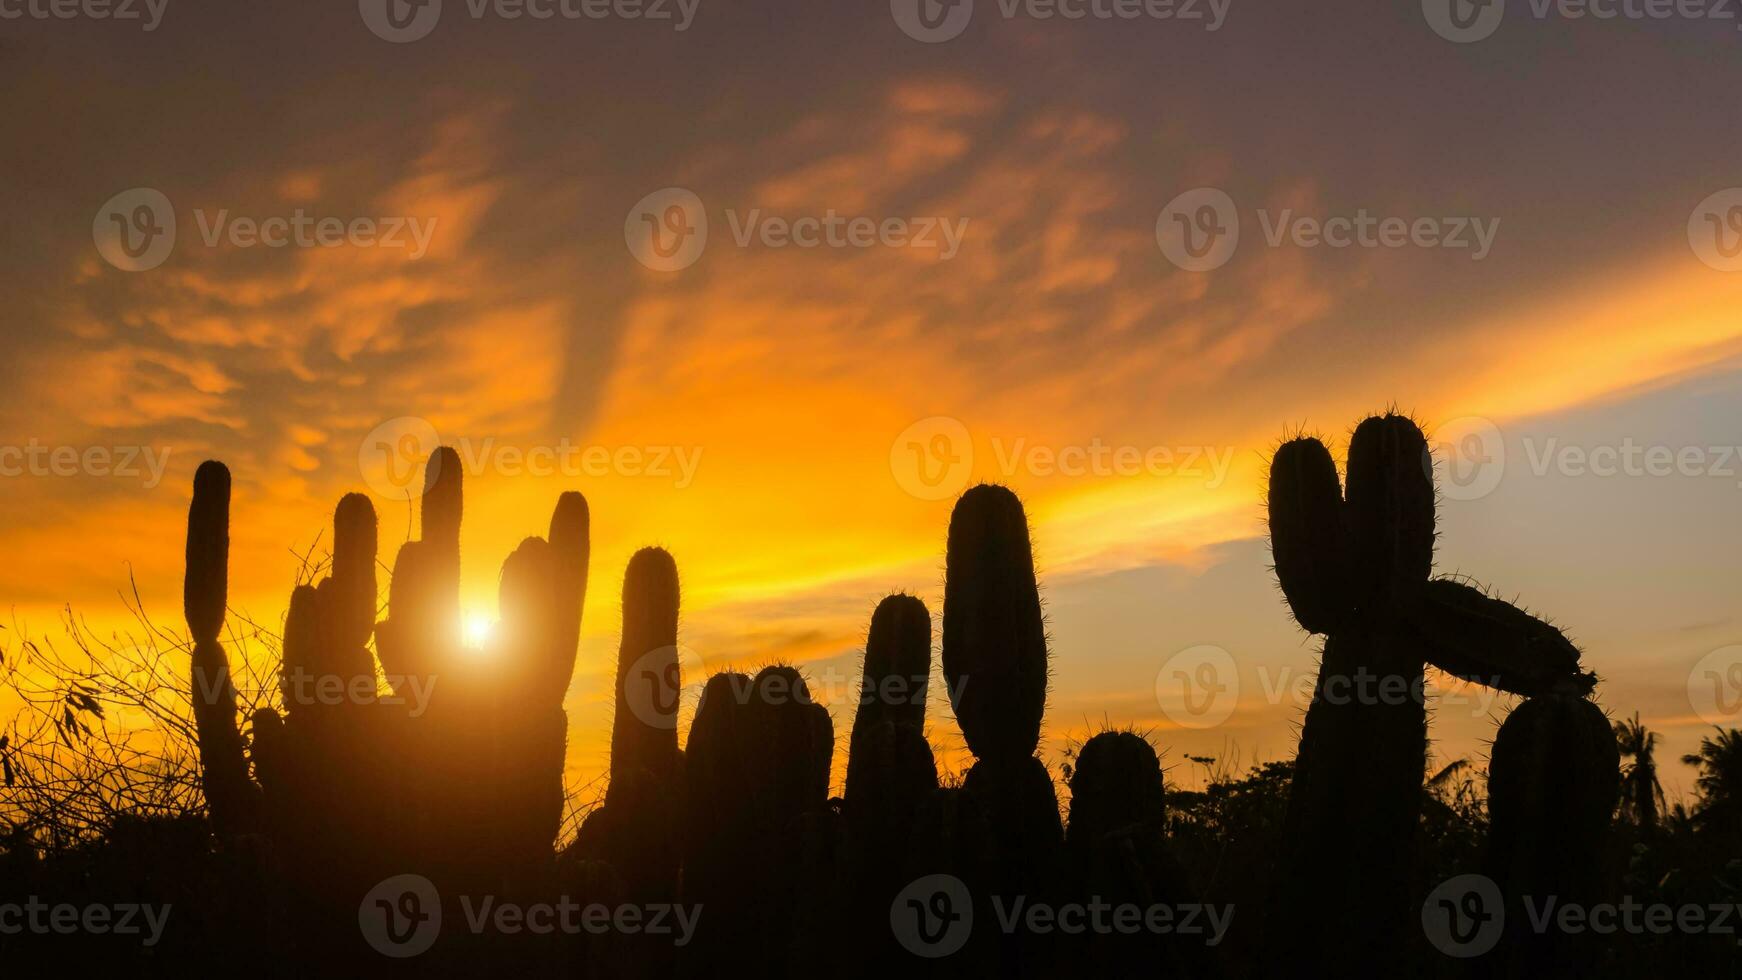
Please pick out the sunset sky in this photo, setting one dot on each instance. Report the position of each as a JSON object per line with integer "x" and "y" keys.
{"x": 795, "y": 381}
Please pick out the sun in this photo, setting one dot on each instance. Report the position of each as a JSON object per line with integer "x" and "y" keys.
{"x": 477, "y": 630}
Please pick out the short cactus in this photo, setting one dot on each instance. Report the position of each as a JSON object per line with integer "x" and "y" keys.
{"x": 1553, "y": 781}
{"x": 889, "y": 764}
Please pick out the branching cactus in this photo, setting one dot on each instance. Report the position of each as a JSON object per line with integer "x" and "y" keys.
{"x": 234, "y": 801}
{"x": 1553, "y": 781}
{"x": 995, "y": 662}
{"x": 1355, "y": 566}
{"x": 462, "y": 779}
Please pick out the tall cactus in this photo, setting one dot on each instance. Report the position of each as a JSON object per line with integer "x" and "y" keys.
{"x": 1356, "y": 568}
{"x": 232, "y": 798}
{"x": 1351, "y": 568}
{"x": 995, "y": 660}
{"x": 637, "y": 826}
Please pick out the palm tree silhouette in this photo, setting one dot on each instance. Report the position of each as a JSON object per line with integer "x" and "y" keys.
{"x": 1641, "y": 794}
{"x": 1720, "y": 781}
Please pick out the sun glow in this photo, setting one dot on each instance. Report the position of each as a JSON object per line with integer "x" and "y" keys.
{"x": 477, "y": 630}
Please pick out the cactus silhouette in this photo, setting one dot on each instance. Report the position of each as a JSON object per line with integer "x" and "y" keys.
{"x": 234, "y": 801}
{"x": 889, "y": 764}
{"x": 1553, "y": 781}
{"x": 758, "y": 828}
{"x": 637, "y": 824}
{"x": 995, "y": 660}
{"x": 1355, "y": 566}
{"x": 1116, "y": 841}
{"x": 462, "y": 782}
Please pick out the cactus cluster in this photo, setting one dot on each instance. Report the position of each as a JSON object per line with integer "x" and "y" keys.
{"x": 1355, "y": 564}
{"x": 468, "y": 790}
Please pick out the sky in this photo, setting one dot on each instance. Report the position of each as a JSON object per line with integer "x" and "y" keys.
{"x": 1006, "y": 296}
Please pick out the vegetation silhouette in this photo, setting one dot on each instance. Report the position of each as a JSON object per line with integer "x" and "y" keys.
{"x": 307, "y": 806}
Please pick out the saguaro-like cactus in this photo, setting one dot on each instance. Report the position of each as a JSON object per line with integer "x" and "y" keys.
{"x": 1350, "y": 568}
{"x": 995, "y": 661}
{"x": 232, "y": 798}
{"x": 1553, "y": 781}
{"x": 1356, "y": 567}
